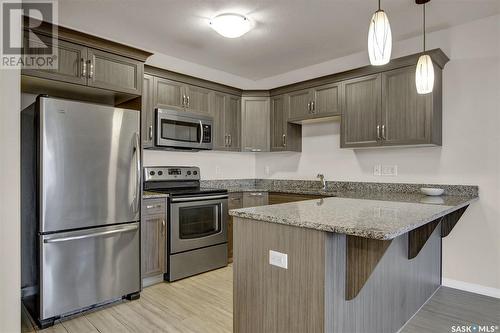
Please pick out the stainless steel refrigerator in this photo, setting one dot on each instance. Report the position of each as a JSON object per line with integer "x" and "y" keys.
{"x": 80, "y": 203}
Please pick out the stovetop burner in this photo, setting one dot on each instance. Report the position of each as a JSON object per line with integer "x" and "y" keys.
{"x": 191, "y": 191}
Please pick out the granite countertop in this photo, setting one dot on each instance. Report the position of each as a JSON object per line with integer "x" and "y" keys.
{"x": 153, "y": 195}
{"x": 371, "y": 215}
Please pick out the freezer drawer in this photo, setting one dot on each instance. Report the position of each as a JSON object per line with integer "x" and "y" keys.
{"x": 87, "y": 267}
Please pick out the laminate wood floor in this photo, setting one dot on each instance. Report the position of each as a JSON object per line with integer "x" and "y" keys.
{"x": 203, "y": 303}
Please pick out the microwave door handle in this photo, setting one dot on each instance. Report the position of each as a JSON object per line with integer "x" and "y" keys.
{"x": 201, "y": 132}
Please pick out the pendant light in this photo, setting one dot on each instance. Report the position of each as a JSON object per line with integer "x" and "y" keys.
{"x": 379, "y": 38}
{"x": 424, "y": 75}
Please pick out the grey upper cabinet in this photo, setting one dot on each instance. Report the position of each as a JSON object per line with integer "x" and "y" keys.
{"x": 285, "y": 136}
{"x": 168, "y": 94}
{"x": 300, "y": 104}
{"x": 408, "y": 118}
{"x": 255, "y": 119}
{"x": 147, "y": 112}
{"x": 386, "y": 110}
{"x": 233, "y": 122}
{"x": 153, "y": 237}
{"x": 318, "y": 102}
{"x": 226, "y": 110}
{"x": 72, "y": 61}
{"x": 196, "y": 99}
{"x": 361, "y": 105}
{"x": 326, "y": 101}
{"x": 111, "y": 71}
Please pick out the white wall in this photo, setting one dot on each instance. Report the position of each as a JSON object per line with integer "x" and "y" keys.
{"x": 470, "y": 153}
{"x": 10, "y": 257}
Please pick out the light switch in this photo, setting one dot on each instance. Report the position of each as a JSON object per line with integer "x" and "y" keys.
{"x": 278, "y": 259}
{"x": 389, "y": 170}
{"x": 377, "y": 170}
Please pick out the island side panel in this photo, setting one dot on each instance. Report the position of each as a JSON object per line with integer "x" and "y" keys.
{"x": 273, "y": 299}
{"x": 393, "y": 293}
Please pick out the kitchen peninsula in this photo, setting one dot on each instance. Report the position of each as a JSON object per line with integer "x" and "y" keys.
{"x": 357, "y": 262}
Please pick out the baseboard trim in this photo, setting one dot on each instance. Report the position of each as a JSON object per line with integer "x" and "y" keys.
{"x": 471, "y": 287}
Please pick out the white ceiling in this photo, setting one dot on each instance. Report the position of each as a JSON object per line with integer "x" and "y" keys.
{"x": 289, "y": 34}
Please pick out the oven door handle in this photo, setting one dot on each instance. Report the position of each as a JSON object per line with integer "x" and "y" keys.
{"x": 208, "y": 197}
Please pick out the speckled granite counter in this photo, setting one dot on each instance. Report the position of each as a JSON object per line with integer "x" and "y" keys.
{"x": 153, "y": 195}
{"x": 358, "y": 215}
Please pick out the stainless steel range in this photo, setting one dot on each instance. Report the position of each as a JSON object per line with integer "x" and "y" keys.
{"x": 197, "y": 227}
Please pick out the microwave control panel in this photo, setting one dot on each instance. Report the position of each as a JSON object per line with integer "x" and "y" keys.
{"x": 207, "y": 133}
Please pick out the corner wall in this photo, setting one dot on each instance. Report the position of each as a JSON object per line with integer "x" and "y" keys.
{"x": 470, "y": 153}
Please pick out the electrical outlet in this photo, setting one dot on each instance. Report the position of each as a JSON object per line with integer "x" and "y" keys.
{"x": 218, "y": 171}
{"x": 278, "y": 259}
{"x": 377, "y": 170}
{"x": 389, "y": 170}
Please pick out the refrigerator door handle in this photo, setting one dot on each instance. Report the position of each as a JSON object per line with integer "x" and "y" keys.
{"x": 137, "y": 150}
{"x": 91, "y": 235}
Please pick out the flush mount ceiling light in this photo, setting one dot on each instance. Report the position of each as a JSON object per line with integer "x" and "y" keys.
{"x": 379, "y": 38}
{"x": 231, "y": 25}
{"x": 424, "y": 75}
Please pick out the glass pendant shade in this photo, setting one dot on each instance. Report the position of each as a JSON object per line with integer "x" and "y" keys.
{"x": 424, "y": 76}
{"x": 379, "y": 39}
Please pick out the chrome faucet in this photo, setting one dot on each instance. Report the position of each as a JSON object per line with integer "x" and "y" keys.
{"x": 322, "y": 179}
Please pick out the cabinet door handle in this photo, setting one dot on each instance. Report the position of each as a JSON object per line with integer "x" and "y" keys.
{"x": 309, "y": 107}
{"x": 312, "y": 107}
{"x": 255, "y": 194}
{"x": 91, "y": 70}
{"x": 153, "y": 206}
{"x": 187, "y": 101}
{"x": 284, "y": 140}
{"x": 84, "y": 68}
{"x": 235, "y": 199}
{"x": 230, "y": 140}
{"x": 150, "y": 135}
{"x": 183, "y": 100}
{"x": 383, "y": 133}
{"x": 378, "y": 132}
{"x": 163, "y": 227}
{"x": 256, "y": 150}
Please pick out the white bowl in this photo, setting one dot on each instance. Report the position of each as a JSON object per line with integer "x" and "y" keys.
{"x": 432, "y": 191}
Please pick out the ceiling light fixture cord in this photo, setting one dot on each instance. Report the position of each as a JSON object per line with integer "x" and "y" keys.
{"x": 379, "y": 5}
{"x": 424, "y": 26}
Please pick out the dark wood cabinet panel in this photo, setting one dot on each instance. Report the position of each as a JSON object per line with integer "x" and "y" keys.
{"x": 406, "y": 115}
{"x": 361, "y": 105}
{"x": 114, "y": 72}
{"x": 279, "y": 198}
{"x": 197, "y": 99}
{"x": 147, "y": 112}
{"x": 153, "y": 237}
{"x": 71, "y": 58}
{"x": 254, "y": 199}
{"x": 168, "y": 94}
{"x": 285, "y": 136}
{"x": 300, "y": 104}
{"x": 232, "y": 122}
{"x": 326, "y": 100}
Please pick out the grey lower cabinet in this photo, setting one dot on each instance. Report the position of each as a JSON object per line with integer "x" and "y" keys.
{"x": 235, "y": 201}
{"x": 226, "y": 110}
{"x": 318, "y": 102}
{"x": 153, "y": 237}
{"x": 285, "y": 136}
{"x": 147, "y": 112}
{"x": 385, "y": 110}
{"x": 254, "y": 199}
{"x": 255, "y": 124}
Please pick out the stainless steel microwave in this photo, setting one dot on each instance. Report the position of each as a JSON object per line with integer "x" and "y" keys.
{"x": 183, "y": 130}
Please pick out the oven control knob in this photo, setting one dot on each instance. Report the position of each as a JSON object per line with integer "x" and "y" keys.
{"x": 189, "y": 173}
{"x": 160, "y": 173}
{"x": 195, "y": 173}
{"x": 152, "y": 173}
